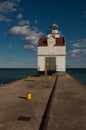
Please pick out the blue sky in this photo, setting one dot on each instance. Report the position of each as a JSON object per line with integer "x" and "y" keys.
{"x": 23, "y": 22}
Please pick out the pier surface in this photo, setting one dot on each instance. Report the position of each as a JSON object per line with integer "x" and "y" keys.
{"x": 18, "y": 113}
{"x": 68, "y": 109}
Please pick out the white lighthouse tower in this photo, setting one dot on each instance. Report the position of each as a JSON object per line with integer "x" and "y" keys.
{"x": 52, "y": 51}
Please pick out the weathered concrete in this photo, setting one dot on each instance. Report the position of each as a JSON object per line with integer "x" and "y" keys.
{"x": 15, "y": 108}
{"x": 68, "y": 111}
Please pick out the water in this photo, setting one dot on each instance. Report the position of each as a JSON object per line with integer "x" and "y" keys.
{"x": 10, "y": 75}
{"x": 79, "y": 74}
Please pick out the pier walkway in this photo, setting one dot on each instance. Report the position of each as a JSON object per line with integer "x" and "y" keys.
{"x": 18, "y": 113}
{"x": 67, "y": 112}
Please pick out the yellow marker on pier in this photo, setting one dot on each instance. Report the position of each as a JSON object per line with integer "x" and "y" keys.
{"x": 49, "y": 77}
{"x": 29, "y": 96}
{"x": 1, "y": 85}
{"x": 1, "y": 124}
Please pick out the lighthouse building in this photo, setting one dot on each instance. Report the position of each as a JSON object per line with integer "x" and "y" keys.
{"x": 52, "y": 51}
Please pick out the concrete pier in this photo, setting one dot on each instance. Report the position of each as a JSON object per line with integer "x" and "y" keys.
{"x": 18, "y": 113}
{"x": 68, "y": 110}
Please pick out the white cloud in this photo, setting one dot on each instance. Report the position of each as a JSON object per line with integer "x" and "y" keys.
{"x": 19, "y": 16}
{"x": 76, "y": 52}
{"x": 4, "y": 19}
{"x": 24, "y": 22}
{"x": 30, "y": 36}
{"x": 31, "y": 39}
{"x": 18, "y": 30}
{"x": 79, "y": 44}
{"x": 7, "y": 6}
{"x": 30, "y": 47}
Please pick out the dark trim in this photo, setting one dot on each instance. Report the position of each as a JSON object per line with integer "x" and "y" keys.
{"x": 48, "y": 72}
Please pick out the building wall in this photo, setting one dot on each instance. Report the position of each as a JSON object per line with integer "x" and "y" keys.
{"x": 51, "y": 51}
{"x": 41, "y": 63}
{"x": 60, "y": 63}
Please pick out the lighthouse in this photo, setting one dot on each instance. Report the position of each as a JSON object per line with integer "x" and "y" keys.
{"x": 51, "y": 51}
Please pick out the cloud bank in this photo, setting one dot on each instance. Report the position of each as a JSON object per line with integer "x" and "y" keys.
{"x": 79, "y": 48}
{"x": 7, "y": 7}
{"x": 4, "y": 18}
{"x": 76, "y": 52}
{"x": 79, "y": 44}
{"x": 19, "y": 16}
{"x": 24, "y": 22}
{"x": 30, "y": 36}
{"x": 18, "y": 30}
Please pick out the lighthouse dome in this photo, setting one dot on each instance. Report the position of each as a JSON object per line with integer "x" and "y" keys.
{"x": 54, "y": 32}
{"x": 54, "y": 26}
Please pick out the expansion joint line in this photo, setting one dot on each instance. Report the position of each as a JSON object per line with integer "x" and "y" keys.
{"x": 45, "y": 118}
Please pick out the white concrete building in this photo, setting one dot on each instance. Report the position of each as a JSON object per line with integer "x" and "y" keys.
{"x": 52, "y": 51}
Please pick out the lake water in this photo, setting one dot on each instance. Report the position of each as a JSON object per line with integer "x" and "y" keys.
{"x": 10, "y": 75}
{"x": 79, "y": 74}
